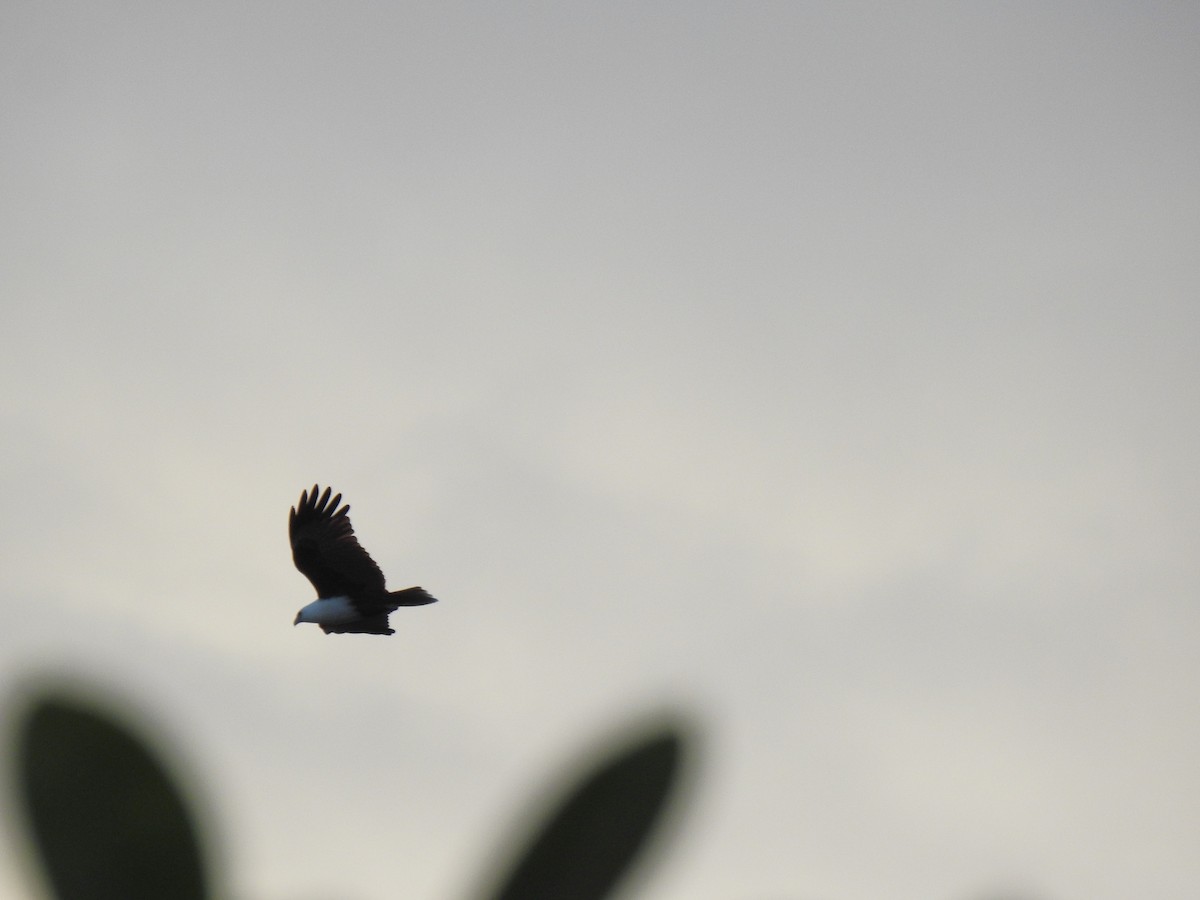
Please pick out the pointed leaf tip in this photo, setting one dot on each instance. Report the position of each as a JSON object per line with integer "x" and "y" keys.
{"x": 107, "y": 820}
{"x": 587, "y": 843}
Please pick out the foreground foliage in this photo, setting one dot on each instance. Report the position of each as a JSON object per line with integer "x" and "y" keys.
{"x": 109, "y": 821}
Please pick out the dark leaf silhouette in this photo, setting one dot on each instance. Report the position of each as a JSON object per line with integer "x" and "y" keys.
{"x": 107, "y": 819}
{"x": 587, "y": 844}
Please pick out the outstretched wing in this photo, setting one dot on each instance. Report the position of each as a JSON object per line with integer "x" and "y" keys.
{"x": 326, "y": 551}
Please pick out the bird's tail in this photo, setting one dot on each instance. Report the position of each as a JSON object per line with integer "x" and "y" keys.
{"x": 413, "y": 596}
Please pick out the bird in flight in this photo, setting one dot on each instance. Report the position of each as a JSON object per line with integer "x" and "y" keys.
{"x": 351, "y": 595}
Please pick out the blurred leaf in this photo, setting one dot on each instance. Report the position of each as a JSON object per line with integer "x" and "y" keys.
{"x": 587, "y": 844}
{"x": 107, "y": 820}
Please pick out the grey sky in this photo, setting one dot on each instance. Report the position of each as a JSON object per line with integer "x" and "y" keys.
{"x": 829, "y": 372}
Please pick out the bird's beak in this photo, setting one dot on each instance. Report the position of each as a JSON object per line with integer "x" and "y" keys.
{"x": 297, "y": 622}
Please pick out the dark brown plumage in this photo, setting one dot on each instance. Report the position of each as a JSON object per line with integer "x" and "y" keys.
{"x": 352, "y": 596}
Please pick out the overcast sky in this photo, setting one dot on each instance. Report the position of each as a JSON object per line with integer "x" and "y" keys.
{"x": 826, "y": 372}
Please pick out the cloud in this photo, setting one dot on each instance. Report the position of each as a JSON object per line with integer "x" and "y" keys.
{"x": 831, "y": 373}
